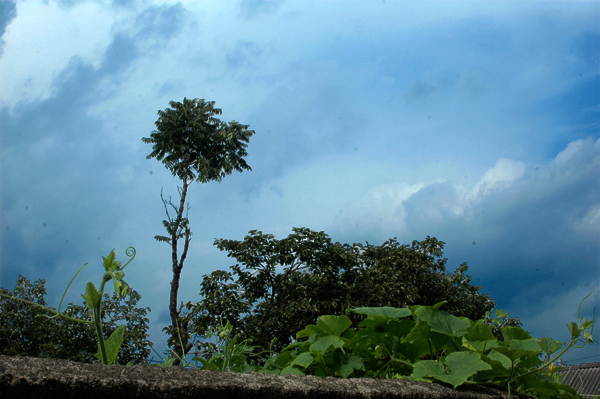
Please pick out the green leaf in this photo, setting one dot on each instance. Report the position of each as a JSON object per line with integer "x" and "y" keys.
{"x": 91, "y": 296}
{"x": 282, "y": 359}
{"x": 574, "y": 330}
{"x": 415, "y": 344}
{"x": 443, "y": 322}
{"x": 427, "y": 368}
{"x": 169, "y": 362}
{"x": 385, "y": 311}
{"x": 113, "y": 344}
{"x": 310, "y": 330}
{"x": 478, "y": 338}
{"x": 303, "y": 360}
{"x": 516, "y": 333}
{"x": 419, "y": 332}
{"x": 500, "y": 358}
{"x": 110, "y": 265}
{"x": 356, "y": 362}
{"x": 292, "y": 370}
{"x": 459, "y": 366}
{"x": 550, "y": 345}
{"x": 121, "y": 288}
{"x": 346, "y": 370}
{"x": 323, "y": 344}
{"x": 529, "y": 345}
{"x": 334, "y": 325}
{"x": 519, "y": 348}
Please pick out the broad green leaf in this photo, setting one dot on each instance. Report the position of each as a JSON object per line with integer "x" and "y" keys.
{"x": 375, "y": 323}
{"x": 356, "y": 362}
{"x": 282, "y": 359}
{"x": 511, "y": 333}
{"x": 323, "y": 344}
{"x": 443, "y": 322}
{"x": 385, "y": 311}
{"x": 292, "y": 370}
{"x": 303, "y": 360}
{"x": 529, "y": 345}
{"x": 209, "y": 365}
{"x": 415, "y": 345}
{"x": 541, "y": 388}
{"x": 91, "y": 296}
{"x": 293, "y": 345}
{"x": 380, "y": 324}
{"x": 401, "y": 327}
{"x": 439, "y": 341}
{"x": 168, "y": 363}
{"x": 346, "y": 370}
{"x": 419, "y": 331}
{"x": 334, "y": 325}
{"x": 113, "y": 344}
{"x": 427, "y": 368}
{"x": 415, "y": 350}
{"x": 501, "y": 366}
{"x": 310, "y": 330}
{"x": 500, "y": 358}
{"x": 459, "y": 366}
{"x": 267, "y": 370}
{"x": 518, "y": 348}
{"x": 479, "y": 337}
{"x": 574, "y": 330}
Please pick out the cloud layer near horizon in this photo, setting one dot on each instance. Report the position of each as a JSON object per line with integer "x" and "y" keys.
{"x": 476, "y": 123}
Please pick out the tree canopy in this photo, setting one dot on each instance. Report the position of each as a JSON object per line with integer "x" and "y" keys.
{"x": 194, "y": 145}
{"x": 277, "y": 287}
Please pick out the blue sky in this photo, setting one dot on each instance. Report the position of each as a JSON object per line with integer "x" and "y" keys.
{"x": 474, "y": 122}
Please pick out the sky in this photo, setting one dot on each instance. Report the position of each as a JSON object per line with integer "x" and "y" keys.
{"x": 477, "y": 123}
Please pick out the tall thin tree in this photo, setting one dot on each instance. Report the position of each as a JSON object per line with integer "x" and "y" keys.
{"x": 193, "y": 145}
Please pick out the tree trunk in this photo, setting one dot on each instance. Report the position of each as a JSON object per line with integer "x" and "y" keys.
{"x": 177, "y": 267}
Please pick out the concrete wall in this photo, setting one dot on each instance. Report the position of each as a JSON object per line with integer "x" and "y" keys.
{"x": 24, "y": 377}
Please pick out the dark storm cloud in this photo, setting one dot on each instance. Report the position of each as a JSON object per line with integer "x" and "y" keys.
{"x": 8, "y": 11}
{"x": 59, "y": 169}
{"x": 522, "y": 229}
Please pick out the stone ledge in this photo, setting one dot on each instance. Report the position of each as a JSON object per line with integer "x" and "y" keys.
{"x": 36, "y": 378}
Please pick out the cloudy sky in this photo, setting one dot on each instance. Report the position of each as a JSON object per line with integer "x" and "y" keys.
{"x": 474, "y": 122}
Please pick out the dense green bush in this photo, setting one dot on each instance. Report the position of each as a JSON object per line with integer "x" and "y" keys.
{"x": 25, "y": 330}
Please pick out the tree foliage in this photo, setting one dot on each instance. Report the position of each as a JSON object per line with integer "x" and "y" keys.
{"x": 280, "y": 286}
{"x": 27, "y": 330}
{"x": 194, "y": 145}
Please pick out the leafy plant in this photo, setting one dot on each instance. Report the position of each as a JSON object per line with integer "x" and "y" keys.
{"x": 230, "y": 355}
{"x": 107, "y": 350}
{"x": 226, "y": 354}
{"x": 424, "y": 343}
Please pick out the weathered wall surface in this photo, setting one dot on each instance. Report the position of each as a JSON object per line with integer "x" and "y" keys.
{"x": 24, "y": 378}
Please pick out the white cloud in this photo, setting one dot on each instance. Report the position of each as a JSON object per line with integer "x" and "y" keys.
{"x": 589, "y": 223}
{"x": 500, "y": 177}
